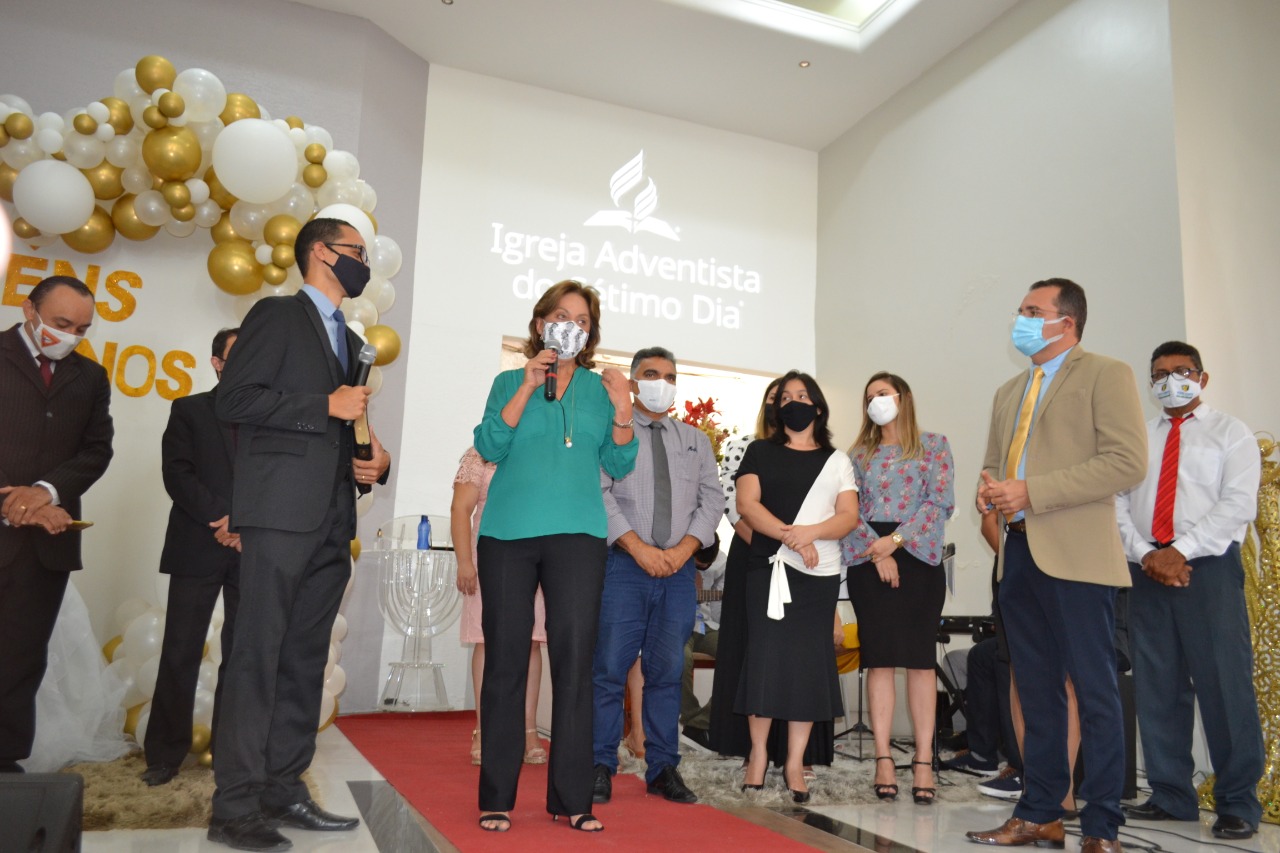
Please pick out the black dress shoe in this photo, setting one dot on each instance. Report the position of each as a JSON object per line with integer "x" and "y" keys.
{"x": 11, "y": 767}
{"x": 1146, "y": 811}
{"x": 159, "y": 774}
{"x": 1230, "y": 826}
{"x": 250, "y": 832}
{"x": 308, "y": 815}
{"x": 602, "y": 785}
{"x": 699, "y": 736}
{"x": 669, "y": 784}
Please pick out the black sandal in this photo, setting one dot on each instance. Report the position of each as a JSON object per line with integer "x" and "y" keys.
{"x": 885, "y": 791}
{"x": 501, "y": 818}
{"x": 582, "y": 818}
{"x": 923, "y": 796}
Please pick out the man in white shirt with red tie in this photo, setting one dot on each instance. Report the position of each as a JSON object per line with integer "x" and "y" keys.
{"x": 1182, "y": 528}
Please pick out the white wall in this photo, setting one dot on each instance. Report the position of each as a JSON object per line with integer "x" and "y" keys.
{"x": 1043, "y": 147}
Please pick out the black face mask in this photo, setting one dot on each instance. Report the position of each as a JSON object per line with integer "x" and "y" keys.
{"x": 797, "y": 416}
{"x": 351, "y": 274}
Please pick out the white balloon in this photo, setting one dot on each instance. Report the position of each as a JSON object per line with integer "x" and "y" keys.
{"x": 53, "y": 196}
{"x": 327, "y": 704}
{"x": 385, "y": 257}
{"x": 126, "y": 86}
{"x": 137, "y": 107}
{"x": 363, "y": 504}
{"x": 293, "y": 279}
{"x": 254, "y": 160}
{"x": 335, "y": 655}
{"x": 84, "y": 152}
{"x": 157, "y": 94}
{"x": 299, "y": 138}
{"x": 5, "y": 111}
{"x": 243, "y": 303}
{"x": 316, "y": 133}
{"x": 122, "y": 152}
{"x": 215, "y": 650}
{"x": 207, "y": 213}
{"x": 338, "y": 192}
{"x": 357, "y": 327}
{"x": 370, "y": 199}
{"x": 180, "y": 229}
{"x": 129, "y": 609}
{"x": 299, "y": 202}
{"x": 136, "y": 177}
{"x": 151, "y": 208}
{"x": 203, "y": 92}
{"x": 49, "y": 140}
{"x": 375, "y": 380}
{"x": 336, "y": 682}
{"x": 266, "y": 116}
{"x": 180, "y": 121}
{"x": 41, "y": 240}
{"x": 20, "y": 153}
{"x": 142, "y": 637}
{"x": 339, "y": 632}
{"x": 121, "y": 670}
{"x": 206, "y": 131}
{"x": 263, "y": 253}
{"x": 51, "y": 121}
{"x": 144, "y": 719}
{"x": 98, "y": 111}
{"x": 350, "y": 214}
{"x": 105, "y": 133}
{"x": 202, "y": 711}
{"x": 247, "y": 218}
{"x": 148, "y": 671}
{"x": 341, "y": 165}
{"x": 384, "y": 297}
{"x": 361, "y": 310}
{"x": 17, "y": 103}
{"x": 208, "y": 677}
{"x": 199, "y": 191}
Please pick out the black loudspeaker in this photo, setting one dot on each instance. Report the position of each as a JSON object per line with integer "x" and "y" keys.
{"x": 40, "y": 812}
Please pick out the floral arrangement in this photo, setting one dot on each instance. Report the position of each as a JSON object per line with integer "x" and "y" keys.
{"x": 703, "y": 416}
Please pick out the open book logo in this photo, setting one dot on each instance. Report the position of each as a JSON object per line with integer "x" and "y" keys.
{"x": 629, "y": 188}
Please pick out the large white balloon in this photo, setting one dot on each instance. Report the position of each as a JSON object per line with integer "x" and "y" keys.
{"x": 84, "y": 152}
{"x": 151, "y": 208}
{"x": 348, "y": 213}
{"x": 336, "y": 682}
{"x": 360, "y": 310}
{"x": 255, "y": 160}
{"x": 53, "y": 196}
{"x": 246, "y": 218}
{"x": 143, "y": 636}
{"x": 129, "y": 609}
{"x": 202, "y": 712}
{"x": 20, "y": 153}
{"x": 385, "y": 257}
{"x": 341, "y": 166}
{"x": 123, "y": 151}
{"x": 148, "y": 672}
{"x": 203, "y": 92}
{"x": 126, "y": 86}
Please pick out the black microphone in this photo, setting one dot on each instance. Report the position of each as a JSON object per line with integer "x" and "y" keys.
{"x": 551, "y": 344}
{"x": 363, "y": 443}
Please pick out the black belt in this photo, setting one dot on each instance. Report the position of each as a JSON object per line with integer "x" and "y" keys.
{"x": 1016, "y": 527}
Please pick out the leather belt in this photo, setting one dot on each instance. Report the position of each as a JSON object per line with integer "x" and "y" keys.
{"x": 1016, "y": 527}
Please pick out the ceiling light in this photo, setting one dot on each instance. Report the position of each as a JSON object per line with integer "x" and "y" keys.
{"x": 804, "y": 63}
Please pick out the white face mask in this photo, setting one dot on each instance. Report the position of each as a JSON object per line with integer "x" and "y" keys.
{"x": 1174, "y": 391}
{"x": 656, "y": 395}
{"x": 54, "y": 344}
{"x": 567, "y": 337}
{"x": 883, "y": 410}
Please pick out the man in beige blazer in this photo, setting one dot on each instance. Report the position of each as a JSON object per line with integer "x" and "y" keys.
{"x": 1065, "y": 437}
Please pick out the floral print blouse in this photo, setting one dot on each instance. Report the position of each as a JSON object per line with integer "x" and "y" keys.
{"x": 917, "y": 493}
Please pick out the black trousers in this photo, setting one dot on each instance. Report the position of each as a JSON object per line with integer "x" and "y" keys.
{"x": 291, "y": 585}
{"x": 570, "y": 568}
{"x": 190, "y": 607}
{"x": 30, "y": 597}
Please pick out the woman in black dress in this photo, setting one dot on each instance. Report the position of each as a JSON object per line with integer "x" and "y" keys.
{"x": 798, "y": 494}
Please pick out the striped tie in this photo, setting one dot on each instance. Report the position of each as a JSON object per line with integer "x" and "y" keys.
{"x": 1167, "y": 488}
{"x": 1024, "y": 426}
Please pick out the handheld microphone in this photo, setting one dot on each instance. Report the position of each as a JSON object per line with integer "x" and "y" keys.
{"x": 553, "y": 345}
{"x": 363, "y": 443}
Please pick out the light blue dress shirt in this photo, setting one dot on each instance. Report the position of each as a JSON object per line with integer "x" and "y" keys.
{"x": 327, "y": 309}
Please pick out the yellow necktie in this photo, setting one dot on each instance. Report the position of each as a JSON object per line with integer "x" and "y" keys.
{"x": 1024, "y": 426}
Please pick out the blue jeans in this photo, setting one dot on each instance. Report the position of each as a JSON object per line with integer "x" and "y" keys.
{"x": 650, "y": 617}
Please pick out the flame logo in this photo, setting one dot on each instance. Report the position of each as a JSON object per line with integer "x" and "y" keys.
{"x": 623, "y": 186}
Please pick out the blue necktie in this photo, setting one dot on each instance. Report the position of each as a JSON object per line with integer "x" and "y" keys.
{"x": 343, "y": 357}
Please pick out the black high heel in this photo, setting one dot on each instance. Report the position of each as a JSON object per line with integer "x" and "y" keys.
{"x": 582, "y": 818}
{"x": 885, "y": 791}
{"x": 746, "y": 786}
{"x": 796, "y": 796}
{"x": 923, "y": 796}
{"x": 502, "y": 819}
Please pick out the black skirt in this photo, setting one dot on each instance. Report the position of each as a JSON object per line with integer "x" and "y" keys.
{"x": 898, "y": 627}
{"x": 728, "y": 730}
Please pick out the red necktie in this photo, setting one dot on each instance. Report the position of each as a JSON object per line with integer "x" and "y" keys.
{"x": 46, "y": 369}
{"x": 1167, "y": 488}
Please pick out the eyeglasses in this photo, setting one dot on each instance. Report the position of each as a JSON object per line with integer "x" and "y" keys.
{"x": 1162, "y": 375}
{"x": 1032, "y": 312}
{"x": 361, "y": 253}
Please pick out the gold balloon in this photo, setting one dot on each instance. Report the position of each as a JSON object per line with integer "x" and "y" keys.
{"x": 282, "y": 256}
{"x": 294, "y": 122}
{"x": 205, "y": 760}
{"x": 332, "y": 716}
{"x": 233, "y": 267}
{"x": 222, "y": 231}
{"x": 155, "y": 72}
{"x": 200, "y": 736}
{"x": 59, "y": 155}
{"x": 176, "y": 193}
{"x": 274, "y": 275}
{"x": 121, "y": 119}
{"x": 105, "y": 180}
{"x": 217, "y": 191}
{"x": 185, "y": 213}
{"x": 204, "y": 650}
{"x": 126, "y": 220}
{"x": 171, "y": 104}
{"x": 313, "y": 174}
{"x": 385, "y": 340}
{"x": 94, "y": 236}
{"x": 171, "y": 153}
{"x": 4, "y": 136}
{"x": 85, "y": 123}
{"x": 281, "y": 230}
{"x": 314, "y": 153}
{"x": 239, "y": 106}
{"x": 153, "y": 118}
{"x": 24, "y": 229}
{"x": 109, "y": 650}
{"x": 131, "y": 718}
{"x": 8, "y": 175}
{"x": 355, "y": 548}
{"x": 19, "y": 125}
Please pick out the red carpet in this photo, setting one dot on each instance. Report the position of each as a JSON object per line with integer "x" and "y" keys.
{"x": 425, "y": 757}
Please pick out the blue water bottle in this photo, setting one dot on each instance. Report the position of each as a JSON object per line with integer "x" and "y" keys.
{"x": 424, "y": 534}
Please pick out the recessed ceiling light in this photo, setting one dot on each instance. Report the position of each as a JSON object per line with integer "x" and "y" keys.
{"x": 804, "y": 63}
{"x": 447, "y": 2}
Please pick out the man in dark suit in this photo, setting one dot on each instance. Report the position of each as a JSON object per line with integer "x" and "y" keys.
{"x": 1066, "y": 436}
{"x": 54, "y": 444}
{"x": 202, "y": 559}
{"x": 293, "y": 503}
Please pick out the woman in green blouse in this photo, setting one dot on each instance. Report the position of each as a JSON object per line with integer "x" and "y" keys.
{"x": 545, "y": 523}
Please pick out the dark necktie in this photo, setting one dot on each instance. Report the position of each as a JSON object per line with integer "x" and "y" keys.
{"x": 46, "y": 369}
{"x": 1167, "y": 485}
{"x": 661, "y": 530}
{"x": 341, "y": 351}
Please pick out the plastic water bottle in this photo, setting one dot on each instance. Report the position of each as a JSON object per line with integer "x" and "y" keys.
{"x": 424, "y": 534}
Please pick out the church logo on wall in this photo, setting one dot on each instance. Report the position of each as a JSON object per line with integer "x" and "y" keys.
{"x": 628, "y": 187}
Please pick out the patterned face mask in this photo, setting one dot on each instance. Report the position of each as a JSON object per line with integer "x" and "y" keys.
{"x": 567, "y": 338}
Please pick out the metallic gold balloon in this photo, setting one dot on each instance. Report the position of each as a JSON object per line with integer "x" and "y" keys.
{"x": 8, "y": 175}
{"x": 314, "y": 153}
{"x": 332, "y": 716}
{"x": 282, "y": 256}
{"x": 171, "y": 104}
{"x": 355, "y": 548}
{"x": 155, "y": 72}
{"x": 274, "y": 275}
{"x": 85, "y": 123}
{"x": 19, "y": 125}
{"x": 4, "y": 136}
{"x": 153, "y": 118}
{"x": 239, "y": 106}
{"x": 94, "y": 236}
{"x": 205, "y": 760}
{"x": 121, "y": 119}
{"x": 200, "y": 737}
{"x": 109, "y": 650}
{"x": 105, "y": 179}
{"x": 131, "y": 718}
{"x": 59, "y": 155}
{"x": 295, "y": 122}
{"x": 176, "y": 193}
{"x": 221, "y": 232}
{"x": 313, "y": 174}
{"x": 217, "y": 191}
{"x": 184, "y": 213}
{"x": 386, "y": 341}
{"x": 24, "y": 229}
{"x": 281, "y": 229}
{"x": 125, "y": 218}
{"x": 171, "y": 153}
{"x": 234, "y": 269}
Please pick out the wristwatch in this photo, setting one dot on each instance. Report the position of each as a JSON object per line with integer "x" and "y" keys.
{"x": 897, "y": 539}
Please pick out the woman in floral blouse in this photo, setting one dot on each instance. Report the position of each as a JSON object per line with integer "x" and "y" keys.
{"x": 896, "y": 582}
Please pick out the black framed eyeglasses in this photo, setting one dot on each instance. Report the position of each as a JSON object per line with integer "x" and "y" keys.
{"x": 1183, "y": 372}
{"x": 363, "y": 252}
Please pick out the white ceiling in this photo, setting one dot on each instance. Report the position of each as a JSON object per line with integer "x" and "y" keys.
{"x": 707, "y": 61}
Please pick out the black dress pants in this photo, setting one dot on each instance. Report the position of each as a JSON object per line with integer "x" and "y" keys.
{"x": 570, "y": 569}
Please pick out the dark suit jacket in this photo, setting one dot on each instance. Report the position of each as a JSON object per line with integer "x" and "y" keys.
{"x": 60, "y": 434}
{"x": 197, "y": 452}
{"x": 276, "y": 385}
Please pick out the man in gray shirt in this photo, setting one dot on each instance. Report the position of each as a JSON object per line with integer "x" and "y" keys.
{"x": 659, "y": 515}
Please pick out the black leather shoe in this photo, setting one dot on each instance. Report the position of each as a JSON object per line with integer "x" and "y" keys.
{"x": 308, "y": 815}
{"x": 251, "y": 832}
{"x": 11, "y": 767}
{"x": 1146, "y": 811}
{"x": 602, "y": 785}
{"x": 1230, "y": 826}
{"x": 699, "y": 736}
{"x": 159, "y": 774}
{"x": 669, "y": 784}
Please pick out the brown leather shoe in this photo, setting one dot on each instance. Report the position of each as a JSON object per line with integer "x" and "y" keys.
{"x": 1015, "y": 832}
{"x": 1089, "y": 844}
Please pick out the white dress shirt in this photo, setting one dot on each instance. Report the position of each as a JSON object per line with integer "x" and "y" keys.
{"x": 1219, "y": 469}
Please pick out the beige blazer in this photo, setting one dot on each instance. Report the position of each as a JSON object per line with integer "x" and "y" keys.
{"x": 1088, "y": 442}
